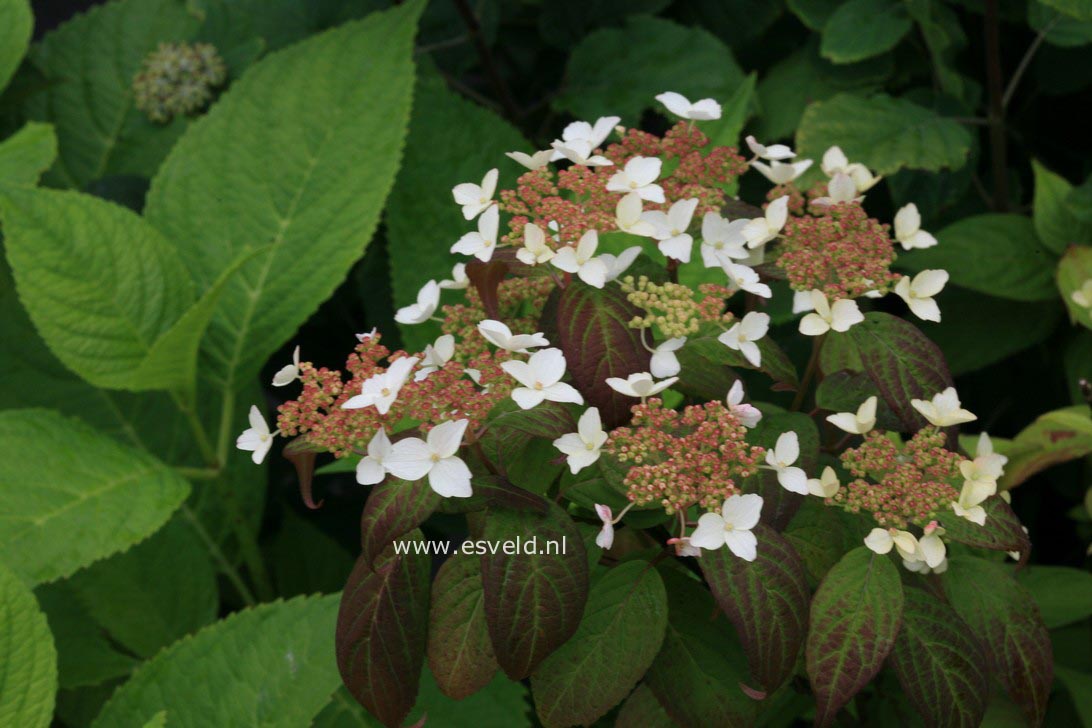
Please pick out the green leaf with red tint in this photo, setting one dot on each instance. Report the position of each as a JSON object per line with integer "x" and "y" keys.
{"x": 641, "y": 708}
{"x": 486, "y": 279}
{"x": 780, "y": 505}
{"x": 1002, "y": 531}
{"x": 1006, "y": 619}
{"x": 855, "y": 617}
{"x": 394, "y": 508}
{"x": 821, "y": 536}
{"x": 902, "y": 362}
{"x": 775, "y": 362}
{"x": 939, "y": 662}
{"x": 549, "y": 419}
{"x": 767, "y": 601}
{"x": 460, "y": 654}
{"x": 381, "y": 628}
{"x": 534, "y": 598}
{"x": 593, "y": 331}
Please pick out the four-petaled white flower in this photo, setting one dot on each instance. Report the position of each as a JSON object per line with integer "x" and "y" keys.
{"x": 413, "y": 458}
{"x": 780, "y": 459}
{"x": 984, "y": 452}
{"x": 908, "y": 229}
{"x": 835, "y": 162}
{"x": 781, "y": 173}
{"x": 745, "y": 278}
{"x": 534, "y": 250}
{"x": 289, "y": 372}
{"x": 670, "y": 229}
{"x": 722, "y": 242}
{"x": 731, "y": 527}
{"x": 840, "y": 316}
{"x": 475, "y": 199}
{"x": 856, "y": 423}
{"x": 538, "y": 160}
{"x": 840, "y": 189}
{"x": 459, "y": 280}
{"x": 580, "y": 153}
{"x": 436, "y": 355}
{"x": 605, "y": 538}
{"x": 581, "y": 132}
{"x": 640, "y": 385}
{"x": 664, "y": 362}
{"x": 257, "y": 439}
{"x": 381, "y": 390}
{"x": 582, "y": 261}
{"x": 747, "y": 414}
{"x": 581, "y": 448}
{"x": 1083, "y": 295}
{"x": 629, "y": 216}
{"x": 826, "y": 485}
{"x": 772, "y": 152}
{"x": 944, "y": 409}
{"x": 744, "y": 333}
{"x": 920, "y": 567}
{"x": 931, "y": 548}
{"x": 541, "y": 379}
{"x": 882, "y": 540}
{"x": 639, "y": 177}
{"x": 679, "y": 105}
{"x": 762, "y": 230}
{"x": 617, "y": 264}
{"x": 428, "y": 299}
{"x": 918, "y": 293}
{"x": 498, "y": 334}
{"x": 371, "y": 469}
{"x": 969, "y": 505}
{"x": 483, "y": 241}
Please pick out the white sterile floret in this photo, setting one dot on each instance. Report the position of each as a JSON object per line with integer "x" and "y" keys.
{"x": 371, "y": 470}
{"x": 826, "y": 485}
{"x": 534, "y": 250}
{"x": 744, "y": 333}
{"x": 944, "y": 409}
{"x": 969, "y": 505}
{"x": 428, "y": 300}
{"x": 745, "y": 278}
{"x": 289, "y": 372}
{"x": 414, "y": 458}
{"x": 882, "y": 540}
{"x": 722, "y": 242}
{"x": 840, "y": 190}
{"x": 458, "y": 281}
{"x": 616, "y": 265}
{"x": 639, "y": 177}
{"x": 679, "y": 105}
{"x": 908, "y": 230}
{"x": 436, "y": 355}
{"x": 731, "y": 527}
{"x": 835, "y": 162}
{"x": 747, "y": 414}
{"x": 772, "y": 152}
{"x": 581, "y": 260}
{"x": 780, "y": 459}
{"x": 670, "y": 229}
{"x": 762, "y": 230}
{"x": 641, "y": 384}
{"x": 483, "y": 242}
{"x": 541, "y": 379}
{"x": 498, "y": 334}
{"x": 629, "y": 216}
{"x": 580, "y": 153}
{"x": 859, "y": 422}
{"x": 534, "y": 161}
{"x": 781, "y": 173}
{"x": 839, "y": 316}
{"x": 582, "y": 448}
{"x": 256, "y": 439}
{"x": 918, "y": 293}
{"x": 475, "y": 199}
{"x": 664, "y": 362}
{"x": 931, "y": 548}
{"x": 381, "y": 390}
{"x": 581, "y": 132}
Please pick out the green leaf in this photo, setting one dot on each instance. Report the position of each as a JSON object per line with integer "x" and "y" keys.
{"x": 885, "y": 133}
{"x": 460, "y": 654}
{"x": 619, "y": 71}
{"x": 813, "y": 13}
{"x": 89, "y": 64}
{"x": 85, "y": 655}
{"x": 422, "y": 221}
{"x": 844, "y": 391}
{"x": 1053, "y": 438}
{"x": 16, "y": 26}
{"x": 1074, "y": 269}
{"x": 1002, "y": 531}
{"x": 821, "y": 536}
{"x": 1007, "y": 621}
{"x": 1064, "y": 595}
{"x": 939, "y": 662}
{"x": 767, "y": 601}
{"x": 623, "y": 627}
{"x": 153, "y": 594}
{"x": 944, "y": 37}
{"x": 272, "y": 665}
{"x": 1079, "y": 9}
{"x": 735, "y": 110}
{"x": 381, "y": 628}
{"x": 1079, "y": 685}
{"x": 775, "y": 362}
{"x": 533, "y": 601}
{"x": 1059, "y": 220}
{"x": 394, "y": 508}
{"x": 855, "y": 617}
{"x": 305, "y": 560}
{"x": 1058, "y": 29}
{"x": 549, "y": 419}
{"x": 1017, "y": 265}
{"x": 315, "y": 203}
{"x": 641, "y": 708}
{"x": 902, "y": 362}
{"x": 27, "y": 153}
{"x": 62, "y": 483}
{"x": 28, "y": 682}
{"x": 861, "y": 29}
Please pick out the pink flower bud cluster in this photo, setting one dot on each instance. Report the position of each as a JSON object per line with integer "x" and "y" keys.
{"x": 680, "y": 459}
{"x": 901, "y": 485}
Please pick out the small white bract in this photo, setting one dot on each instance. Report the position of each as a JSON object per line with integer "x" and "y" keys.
{"x": 918, "y": 293}
{"x": 780, "y": 459}
{"x": 476, "y": 198}
{"x": 840, "y": 317}
{"x": 428, "y": 300}
{"x": 498, "y": 334}
{"x": 670, "y": 229}
{"x": 581, "y": 260}
{"x": 435, "y": 356}
{"x": 639, "y": 177}
{"x": 482, "y": 243}
{"x": 541, "y": 379}
{"x": 641, "y": 384}
{"x": 381, "y": 390}
{"x": 371, "y": 469}
{"x": 413, "y": 458}
{"x": 257, "y": 439}
{"x": 664, "y": 361}
{"x": 908, "y": 229}
{"x": 289, "y": 372}
{"x": 582, "y": 448}
{"x": 679, "y": 105}
{"x": 744, "y": 333}
{"x": 731, "y": 527}
{"x": 944, "y": 409}
{"x": 856, "y": 423}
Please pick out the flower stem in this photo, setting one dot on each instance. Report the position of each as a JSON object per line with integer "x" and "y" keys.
{"x": 809, "y": 373}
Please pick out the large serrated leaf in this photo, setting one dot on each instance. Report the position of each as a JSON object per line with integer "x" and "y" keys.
{"x": 460, "y": 654}
{"x": 533, "y": 601}
{"x": 622, "y": 629}
{"x": 855, "y": 617}
{"x": 272, "y": 665}
{"x": 1001, "y": 532}
{"x": 62, "y": 483}
{"x": 1006, "y": 619}
{"x": 27, "y": 153}
{"x": 939, "y": 662}
{"x": 1053, "y": 438}
{"x": 315, "y": 202}
{"x": 28, "y": 681}
{"x": 861, "y": 29}
{"x": 393, "y": 509}
{"x": 381, "y": 627}
{"x": 1059, "y": 220}
{"x": 767, "y": 601}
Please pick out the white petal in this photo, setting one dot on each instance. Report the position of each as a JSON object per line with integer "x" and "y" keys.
{"x": 925, "y": 309}
{"x": 528, "y": 398}
{"x": 450, "y": 478}
{"x": 787, "y": 448}
{"x": 676, "y": 103}
{"x": 879, "y": 541}
{"x": 445, "y": 438}
{"x": 410, "y": 459}
{"x": 741, "y": 543}
{"x": 742, "y": 511}
{"x": 370, "y": 472}
{"x": 710, "y": 532}
{"x": 562, "y": 392}
{"x": 813, "y": 325}
{"x": 594, "y": 273}
{"x": 794, "y": 480}
{"x": 678, "y": 247}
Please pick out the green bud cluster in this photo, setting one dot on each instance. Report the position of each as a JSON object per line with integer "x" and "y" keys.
{"x": 178, "y": 79}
